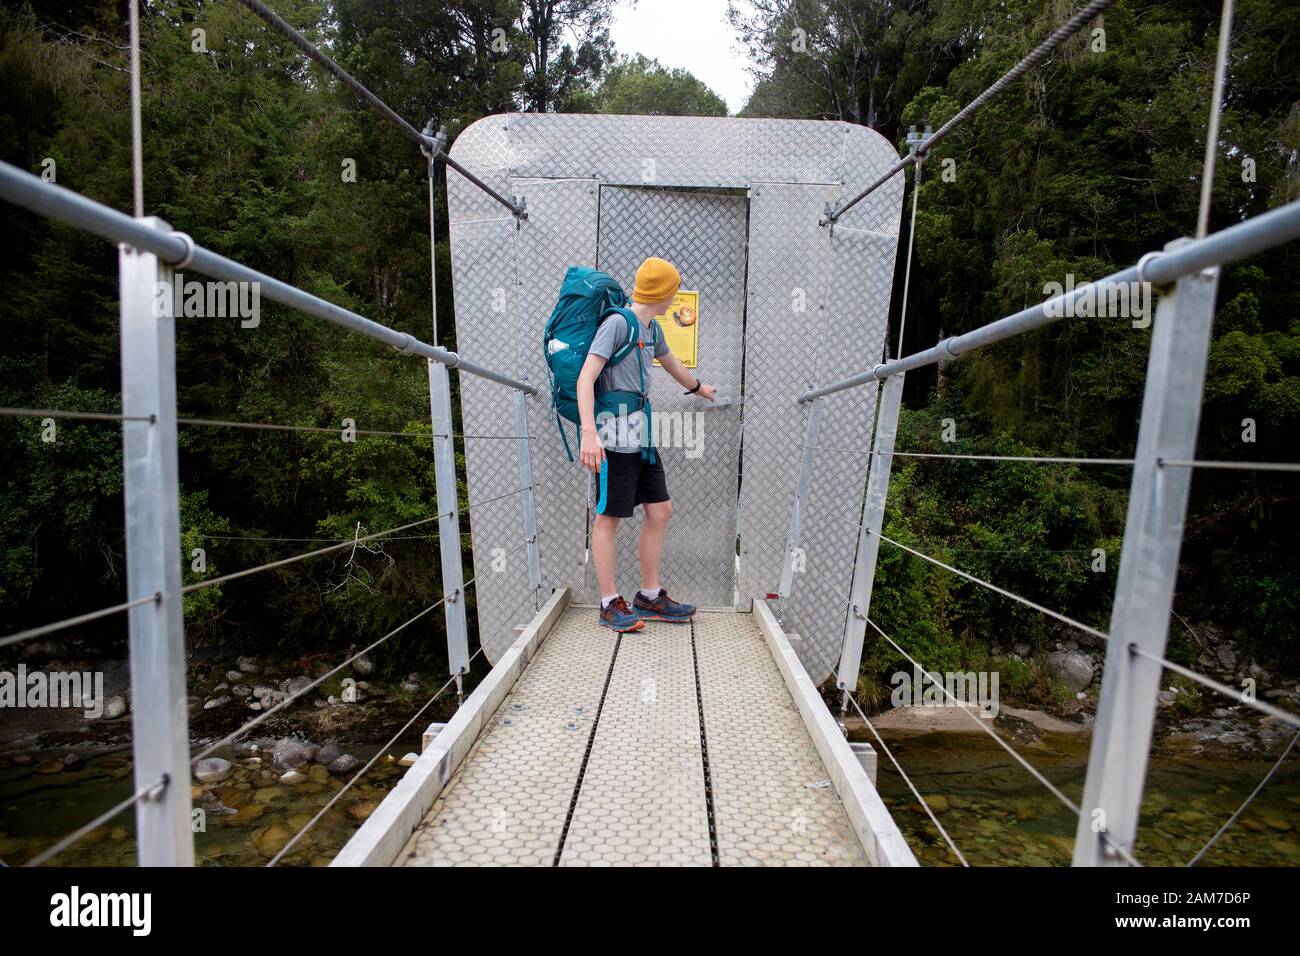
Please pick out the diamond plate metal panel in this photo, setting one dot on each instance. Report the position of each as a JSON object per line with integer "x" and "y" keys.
{"x": 861, "y": 265}
{"x": 560, "y": 232}
{"x": 485, "y": 149}
{"x": 483, "y": 263}
{"x": 789, "y": 285}
{"x": 792, "y": 169}
{"x": 674, "y": 151}
{"x": 703, "y": 234}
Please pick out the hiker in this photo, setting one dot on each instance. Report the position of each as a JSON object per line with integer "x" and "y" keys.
{"x": 620, "y": 450}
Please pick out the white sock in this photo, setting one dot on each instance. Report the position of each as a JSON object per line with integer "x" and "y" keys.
{"x": 604, "y": 601}
{"x": 650, "y": 595}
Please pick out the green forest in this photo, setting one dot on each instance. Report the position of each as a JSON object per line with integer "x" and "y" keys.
{"x": 1091, "y": 161}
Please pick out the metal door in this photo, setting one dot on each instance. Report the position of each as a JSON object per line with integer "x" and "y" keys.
{"x": 703, "y": 234}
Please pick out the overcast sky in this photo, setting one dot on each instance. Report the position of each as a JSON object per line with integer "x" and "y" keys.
{"x": 691, "y": 34}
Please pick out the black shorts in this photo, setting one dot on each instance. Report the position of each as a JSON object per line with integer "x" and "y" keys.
{"x": 628, "y": 480}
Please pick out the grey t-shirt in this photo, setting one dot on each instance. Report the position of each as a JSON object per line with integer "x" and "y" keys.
{"x": 625, "y": 432}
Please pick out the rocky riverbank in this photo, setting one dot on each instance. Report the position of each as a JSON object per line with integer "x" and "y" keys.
{"x": 1063, "y": 680}
{"x": 249, "y": 802}
{"x": 307, "y": 698}
{"x": 998, "y": 815}
{"x": 59, "y": 766}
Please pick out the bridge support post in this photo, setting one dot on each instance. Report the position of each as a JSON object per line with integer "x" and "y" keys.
{"x": 800, "y": 495}
{"x": 151, "y": 488}
{"x": 453, "y": 575}
{"x": 873, "y": 519}
{"x": 1148, "y": 570}
{"x": 530, "y": 510}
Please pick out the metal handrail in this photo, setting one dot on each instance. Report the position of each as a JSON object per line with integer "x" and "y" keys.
{"x": 1257, "y": 234}
{"x": 55, "y": 202}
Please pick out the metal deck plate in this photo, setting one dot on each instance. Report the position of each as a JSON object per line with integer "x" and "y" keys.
{"x": 642, "y": 799}
{"x": 771, "y": 800}
{"x": 507, "y": 803}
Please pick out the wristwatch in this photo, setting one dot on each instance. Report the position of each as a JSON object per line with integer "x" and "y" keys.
{"x": 692, "y": 391}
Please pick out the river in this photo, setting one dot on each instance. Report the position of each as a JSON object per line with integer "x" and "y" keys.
{"x": 995, "y": 812}
{"x": 998, "y": 815}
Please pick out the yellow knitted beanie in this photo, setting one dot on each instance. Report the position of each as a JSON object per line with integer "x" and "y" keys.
{"x": 656, "y": 281}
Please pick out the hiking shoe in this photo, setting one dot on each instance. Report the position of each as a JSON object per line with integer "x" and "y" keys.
{"x": 662, "y": 608}
{"x": 619, "y": 616}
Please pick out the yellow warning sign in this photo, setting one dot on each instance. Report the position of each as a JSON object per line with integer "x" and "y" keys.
{"x": 681, "y": 327}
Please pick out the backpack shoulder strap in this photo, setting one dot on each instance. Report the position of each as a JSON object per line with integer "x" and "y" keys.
{"x": 655, "y": 333}
{"x": 624, "y": 350}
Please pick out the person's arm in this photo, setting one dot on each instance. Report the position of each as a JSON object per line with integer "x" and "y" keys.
{"x": 591, "y": 452}
{"x": 674, "y": 367}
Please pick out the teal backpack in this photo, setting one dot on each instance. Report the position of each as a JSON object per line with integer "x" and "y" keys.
{"x": 587, "y": 298}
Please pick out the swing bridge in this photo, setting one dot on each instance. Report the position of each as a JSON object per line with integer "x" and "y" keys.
{"x": 701, "y": 744}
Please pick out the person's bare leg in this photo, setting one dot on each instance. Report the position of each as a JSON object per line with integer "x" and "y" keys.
{"x": 603, "y": 536}
{"x": 652, "y": 542}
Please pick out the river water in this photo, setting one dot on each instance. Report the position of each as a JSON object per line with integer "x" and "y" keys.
{"x": 36, "y": 809}
{"x": 998, "y": 815}
{"x": 995, "y": 812}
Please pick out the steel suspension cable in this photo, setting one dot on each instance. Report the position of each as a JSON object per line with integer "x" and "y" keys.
{"x": 858, "y": 526}
{"x": 1249, "y": 800}
{"x": 144, "y": 793}
{"x": 343, "y": 543}
{"x": 249, "y": 725}
{"x": 393, "y": 740}
{"x": 1056, "y": 615}
{"x": 318, "y": 681}
{"x": 370, "y": 763}
{"x": 1030, "y": 768}
{"x": 1210, "y": 683}
{"x": 9, "y": 412}
{"x": 1223, "y": 689}
{"x": 911, "y": 239}
{"x": 199, "y": 585}
{"x": 276, "y": 427}
{"x": 315, "y": 53}
{"x": 1231, "y": 465}
{"x": 1030, "y": 459}
{"x": 273, "y": 539}
{"x": 78, "y": 619}
{"x": 1058, "y": 36}
{"x": 908, "y": 780}
{"x": 1212, "y": 132}
{"x": 1051, "y": 787}
{"x": 137, "y": 137}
